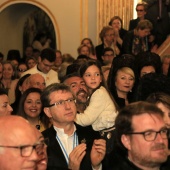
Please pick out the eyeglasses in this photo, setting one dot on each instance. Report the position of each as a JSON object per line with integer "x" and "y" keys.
{"x": 109, "y": 35}
{"x": 26, "y": 150}
{"x": 151, "y": 135}
{"x": 108, "y": 55}
{"x": 139, "y": 10}
{"x": 63, "y": 102}
{"x": 21, "y": 70}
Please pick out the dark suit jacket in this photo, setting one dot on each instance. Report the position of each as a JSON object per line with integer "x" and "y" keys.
{"x": 133, "y": 23}
{"x": 121, "y": 162}
{"x": 56, "y": 159}
{"x": 99, "y": 51}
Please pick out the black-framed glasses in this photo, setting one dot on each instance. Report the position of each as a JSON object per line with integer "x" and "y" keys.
{"x": 21, "y": 70}
{"x": 108, "y": 55}
{"x": 151, "y": 135}
{"x": 139, "y": 10}
{"x": 26, "y": 150}
{"x": 63, "y": 102}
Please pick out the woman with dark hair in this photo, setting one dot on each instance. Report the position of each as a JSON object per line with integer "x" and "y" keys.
{"x": 101, "y": 110}
{"x": 152, "y": 83}
{"x": 30, "y": 108}
{"x": 147, "y": 62}
{"x": 30, "y": 62}
{"x": 21, "y": 86}
{"x": 22, "y": 67}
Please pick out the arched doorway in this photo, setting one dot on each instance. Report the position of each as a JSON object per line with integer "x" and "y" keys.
{"x": 22, "y": 20}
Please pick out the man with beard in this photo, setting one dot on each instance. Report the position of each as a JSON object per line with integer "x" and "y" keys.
{"x": 143, "y": 136}
{"x": 78, "y": 89}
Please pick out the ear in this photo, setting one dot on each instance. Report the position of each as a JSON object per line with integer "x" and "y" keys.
{"x": 101, "y": 77}
{"x": 47, "y": 112}
{"x": 102, "y": 58}
{"x": 39, "y": 59}
{"x": 20, "y": 89}
{"x": 125, "y": 139}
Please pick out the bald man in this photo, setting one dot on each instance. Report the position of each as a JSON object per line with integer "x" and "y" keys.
{"x": 37, "y": 81}
{"x": 21, "y": 146}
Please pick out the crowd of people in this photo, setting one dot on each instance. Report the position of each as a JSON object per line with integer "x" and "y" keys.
{"x": 109, "y": 108}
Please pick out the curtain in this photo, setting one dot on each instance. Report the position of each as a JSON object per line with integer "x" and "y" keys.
{"x": 106, "y": 9}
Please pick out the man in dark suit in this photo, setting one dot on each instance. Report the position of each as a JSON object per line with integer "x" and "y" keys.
{"x": 141, "y": 145}
{"x": 70, "y": 145}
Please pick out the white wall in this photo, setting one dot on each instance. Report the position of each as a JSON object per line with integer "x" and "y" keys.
{"x": 12, "y": 20}
{"x": 72, "y": 19}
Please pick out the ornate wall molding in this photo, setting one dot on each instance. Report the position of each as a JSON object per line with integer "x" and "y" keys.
{"x": 41, "y": 6}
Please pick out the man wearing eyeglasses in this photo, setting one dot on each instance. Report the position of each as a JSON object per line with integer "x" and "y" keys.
{"x": 70, "y": 145}
{"x": 21, "y": 146}
{"x": 142, "y": 137}
{"x": 108, "y": 56}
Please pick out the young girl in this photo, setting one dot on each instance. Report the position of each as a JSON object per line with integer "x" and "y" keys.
{"x": 101, "y": 110}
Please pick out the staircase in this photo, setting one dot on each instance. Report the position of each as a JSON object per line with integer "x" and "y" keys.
{"x": 164, "y": 49}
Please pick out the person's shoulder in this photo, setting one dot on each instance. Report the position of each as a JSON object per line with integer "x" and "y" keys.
{"x": 14, "y": 82}
{"x": 87, "y": 132}
{"x": 118, "y": 161}
{"x": 122, "y": 30}
{"x": 30, "y": 71}
{"x": 129, "y": 34}
{"x": 99, "y": 46}
{"x": 166, "y": 165}
{"x": 134, "y": 20}
{"x": 48, "y": 132}
{"x": 53, "y": 72}
{"x": 100, "y": 91}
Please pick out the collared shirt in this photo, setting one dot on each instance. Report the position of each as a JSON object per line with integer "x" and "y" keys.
{"x": 68, "y": 141}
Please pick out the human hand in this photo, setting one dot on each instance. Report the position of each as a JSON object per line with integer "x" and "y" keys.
{"x": 105, "y": 43}
{"x": 42, "y": 162}
{"x": 76, "y": 156}
{"x": 154, "y": 48}
{"x": 116, "y": 32}
{"x": 98, "y": 152}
